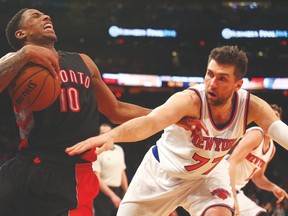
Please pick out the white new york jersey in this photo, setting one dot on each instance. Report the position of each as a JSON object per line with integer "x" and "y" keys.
{"x": 253, "y": 161}
{"x": 187, "y": 158}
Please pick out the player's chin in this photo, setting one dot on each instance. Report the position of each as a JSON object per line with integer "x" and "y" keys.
{"x": 212, "y": 101}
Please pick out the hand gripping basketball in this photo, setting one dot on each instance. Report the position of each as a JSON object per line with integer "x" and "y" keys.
{"x": 34, "y": 88}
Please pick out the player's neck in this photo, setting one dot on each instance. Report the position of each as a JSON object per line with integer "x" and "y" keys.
{"x": 223, "y": 113}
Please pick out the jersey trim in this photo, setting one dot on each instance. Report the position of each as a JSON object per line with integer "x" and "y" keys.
{"x": 232, "y": 116}
{"x": 246, "y": 112}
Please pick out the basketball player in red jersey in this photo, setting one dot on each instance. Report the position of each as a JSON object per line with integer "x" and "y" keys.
{"x": 42, "y": 179}
{"x": 178, "y": 171}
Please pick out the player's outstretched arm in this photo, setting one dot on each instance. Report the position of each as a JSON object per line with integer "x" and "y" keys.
{"x": 248, "y": 142}
{"x": 176, "y": 107}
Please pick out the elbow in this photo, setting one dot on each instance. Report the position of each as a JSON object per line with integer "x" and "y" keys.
{"x": 113, "y": 116}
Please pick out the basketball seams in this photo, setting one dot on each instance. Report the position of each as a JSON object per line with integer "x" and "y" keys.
{"x": 54, "y": 91}
{"x": 34, "y": 88}
{"x": 54, "y": 95}
{"x": 40, "y": 91}
{"x": 20, "y": 85}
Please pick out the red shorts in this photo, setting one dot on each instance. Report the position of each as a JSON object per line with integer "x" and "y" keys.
{"x": 32, "y": 186}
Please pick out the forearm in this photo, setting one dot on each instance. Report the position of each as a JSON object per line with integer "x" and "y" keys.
{"x": 264, "y": 184}
{"x": 232, "y": 174}
{"x": 10, "y": 67}
{"x": 127, "y": 111}
{"x": 278, "y": 131}
{"x": 135, "y": 130}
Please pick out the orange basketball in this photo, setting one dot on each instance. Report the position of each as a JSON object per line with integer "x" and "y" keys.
{"x": 34, "y": 88}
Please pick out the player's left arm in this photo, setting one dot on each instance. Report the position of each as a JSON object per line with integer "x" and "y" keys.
{"x": 248, "y": 142}
{"x": 115, "y": 110}
{"x": 179, "y": 105}
{"x": 262, "y": 182}
{"x": 263, "y": 115}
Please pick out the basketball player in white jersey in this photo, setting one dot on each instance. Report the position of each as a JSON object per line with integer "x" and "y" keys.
{"x": 248, "y": 161}
{"x": 178, "y": 170}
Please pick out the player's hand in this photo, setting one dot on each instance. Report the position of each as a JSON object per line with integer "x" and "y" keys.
{"x": 279, "y": 193}
{"x": 43, "y": 56}
{"x": 194, "y": 125}
{"x": 116, "y": 200}
{"x": 102, "y": 143}
{"x": 236, "y": 208}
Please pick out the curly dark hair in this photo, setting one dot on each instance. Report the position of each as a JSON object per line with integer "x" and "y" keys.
{"x": 12, "y": 26}
{"x": 231, "y": 55}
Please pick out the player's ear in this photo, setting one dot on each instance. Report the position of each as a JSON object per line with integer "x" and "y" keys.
{"x": 19, "y": 34}
{"x": 239, "y": 84}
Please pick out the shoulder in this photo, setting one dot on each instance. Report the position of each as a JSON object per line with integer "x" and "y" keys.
{"x": 8, "y": 55}
{"x": 197, "y": 87}
{"x": 186, "y": 97}
{"x": 91, "y": 65}
{"x": 256, "y": 102}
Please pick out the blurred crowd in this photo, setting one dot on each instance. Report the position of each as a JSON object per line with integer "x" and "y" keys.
{"x": 83, "y": 27}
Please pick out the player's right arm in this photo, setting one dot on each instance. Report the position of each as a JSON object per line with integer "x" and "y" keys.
{"x": 116, "y": 111}
{"x": 11, "y": 63}
{"x": 249, "y": 141}
{"x": 264, "y": 116}
{"x": 186, "y": 103}
{"x": 262, "y": 182}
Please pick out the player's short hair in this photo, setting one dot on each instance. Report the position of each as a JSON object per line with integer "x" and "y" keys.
{"x": 12, "y": 26}
{"x": 231, "y": 55}
{"x": 277, "y": 108}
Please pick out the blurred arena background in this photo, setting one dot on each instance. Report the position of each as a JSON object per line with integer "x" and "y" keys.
{"x": 186, "y": 32}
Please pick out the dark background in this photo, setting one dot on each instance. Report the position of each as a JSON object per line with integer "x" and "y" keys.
{"x": 82, "y": 26}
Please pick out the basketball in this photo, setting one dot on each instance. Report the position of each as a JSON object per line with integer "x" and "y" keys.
{"x": 34, "y": 88}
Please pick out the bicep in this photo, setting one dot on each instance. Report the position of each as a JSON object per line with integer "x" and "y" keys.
{"x": 105, "y": 98}
{"x": 179, "y": 105}
{"x": 261, "y": 113}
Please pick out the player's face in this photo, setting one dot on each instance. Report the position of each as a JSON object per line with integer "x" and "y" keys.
{"x": 220, "y": 83}
{"x": 36, "y": 28}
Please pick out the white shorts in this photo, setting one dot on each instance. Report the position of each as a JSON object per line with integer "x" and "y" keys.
{"x": 246, "y": 206}
{"x": 152, "y": 192}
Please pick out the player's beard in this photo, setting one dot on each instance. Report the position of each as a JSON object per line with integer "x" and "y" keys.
{"x": 51, "y": 38}
{"x": 219, "y": 101}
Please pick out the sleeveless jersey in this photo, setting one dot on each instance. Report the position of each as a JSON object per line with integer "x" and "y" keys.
{"x": 187, "y": 158}
{"x": 72, "y": 118}
{"x": 253, "y": 161}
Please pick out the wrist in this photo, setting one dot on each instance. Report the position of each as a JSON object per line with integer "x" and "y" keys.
{"x": 24, "y": 55}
